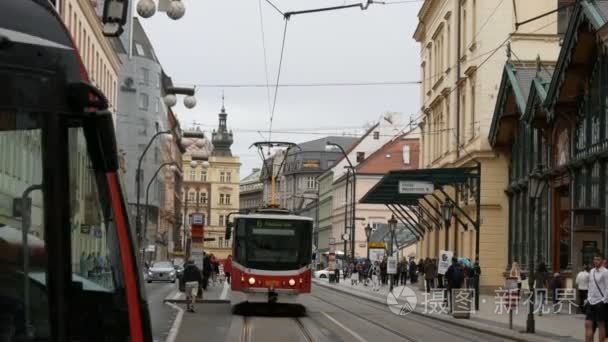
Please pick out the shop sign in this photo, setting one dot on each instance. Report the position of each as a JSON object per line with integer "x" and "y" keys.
{"x": 415, "y": 188}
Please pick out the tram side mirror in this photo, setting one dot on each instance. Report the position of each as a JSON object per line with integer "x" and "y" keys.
{"x": 114, "y": 17}
{"x": 229, "y": 226}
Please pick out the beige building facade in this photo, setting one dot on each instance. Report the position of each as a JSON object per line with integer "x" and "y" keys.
{"x": 96, "y": 51}
{"x": 463, "y": 46}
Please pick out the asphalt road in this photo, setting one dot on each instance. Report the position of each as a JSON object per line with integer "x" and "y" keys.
{"x": 331, "y": 316}
{"x": 161, "y": 315}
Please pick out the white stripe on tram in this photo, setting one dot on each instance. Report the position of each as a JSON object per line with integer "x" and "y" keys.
{"x": 24, "y": 38}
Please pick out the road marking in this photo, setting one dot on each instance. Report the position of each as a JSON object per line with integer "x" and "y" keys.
{"x": 355, "y": 335}
{"x": 176, "y": 323}
{"x": 224, "y": 292}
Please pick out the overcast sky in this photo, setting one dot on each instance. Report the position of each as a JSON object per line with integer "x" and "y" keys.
{"x": 220, "y": 42}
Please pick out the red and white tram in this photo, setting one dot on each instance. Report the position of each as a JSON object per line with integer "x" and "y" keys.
{"x": 272, "y": 252}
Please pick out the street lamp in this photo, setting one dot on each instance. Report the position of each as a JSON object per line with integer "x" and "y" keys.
{"x": 368, "y": 233}
{"x": 138, "y": 179}
{"x": 392, "y": 226}
{"x": 174, "y": 167}
{"x": 328, "y": 148}
{"x": 447, "y": 211}
{"x": 147, "y": 8}
{"x": 170, "y": 98}
{"x": 536, "y": 186}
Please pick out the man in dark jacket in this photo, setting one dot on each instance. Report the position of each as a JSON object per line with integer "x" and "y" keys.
{"x": 192, "y": 279}
{"x": 207, "y": 269}
{"x": 455, "y": 277}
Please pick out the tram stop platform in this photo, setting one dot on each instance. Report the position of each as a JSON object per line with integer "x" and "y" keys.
{"x": 215, "y": 293}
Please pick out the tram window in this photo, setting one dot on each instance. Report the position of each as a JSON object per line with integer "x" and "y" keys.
{"x": 95, "y": 258}
{"x": 20, "y": 149}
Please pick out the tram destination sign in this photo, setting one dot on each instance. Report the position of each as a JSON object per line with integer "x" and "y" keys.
{"x": 415, "y": 187}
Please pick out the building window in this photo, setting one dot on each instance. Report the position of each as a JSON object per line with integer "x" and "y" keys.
{"x": 473, "y": 116}
{"x": 191, "y": 196}
{"x": 376, "y": 135}
{"x": 220, "y": 242}
{"x": 203, "y": 176}
{"x": 192, "y": 174}
{"x": 145, "y": 76}
{"x": 406, "y": 154}
{"x": 223, "y": 177}
{"x": 203, "y": 197}
{"x": 360, "y": 157}
{"x": 222, "y": 199}
{"x": 228, "y": 177}
{"x": 143, "y": 101}
{"x": 140, "y": 49}
{"x": 220, "y": 222}
{"x": 142, "y": 128}
{"x": 311, "y": 182}
{"x": 463, "y": 27}
{"x": 158, "y": 80}
{"x": 227, "y": 198}
{"x": 156, "y": 105}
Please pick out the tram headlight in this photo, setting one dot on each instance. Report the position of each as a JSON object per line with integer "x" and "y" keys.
{"x": 251, "y": 281}
{"x": 292, "y": 282}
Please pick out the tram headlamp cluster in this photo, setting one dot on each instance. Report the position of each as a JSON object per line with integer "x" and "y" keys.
{"x": 292, "y": 282}
{"x": 251, "y": 281}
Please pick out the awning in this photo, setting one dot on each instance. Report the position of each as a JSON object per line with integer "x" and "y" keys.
{"x": 404, "y": 192}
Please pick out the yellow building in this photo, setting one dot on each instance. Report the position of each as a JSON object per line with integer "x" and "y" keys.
{"x": 462, "y": 53}
{"x": 211, "y": 183}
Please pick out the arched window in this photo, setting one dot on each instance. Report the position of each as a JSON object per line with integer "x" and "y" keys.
{"x": 406, "y": 154}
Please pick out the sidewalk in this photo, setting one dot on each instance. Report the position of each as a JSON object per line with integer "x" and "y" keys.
{"x": 551, "y": 326}
{"x": 217, "y": 293}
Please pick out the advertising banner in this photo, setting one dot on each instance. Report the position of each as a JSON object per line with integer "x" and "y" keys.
{"x": 445, "y": 260}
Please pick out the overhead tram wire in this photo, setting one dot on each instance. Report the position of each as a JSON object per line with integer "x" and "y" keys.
{"x": 275, "y": 7}
{"x": 276, "y": 89}
{"x": 265, "y": 57}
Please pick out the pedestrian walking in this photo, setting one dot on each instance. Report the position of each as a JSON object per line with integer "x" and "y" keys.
{"x": 516, "y": 273}
{"x": 192, "y": 280}
{"x": 228, "y": 268}
{"x": 430, "y": 271}
{"x": 455, "y": 276}
{"x": 383, "y": 273}
{"x": 376, "y": 273}
{"x": 541, "y": 285}
{"x": 582, "y": 286}
{"x": 596, "y": 309}
{"x": 403, "y": 271}
{"x": 413, "y": 272}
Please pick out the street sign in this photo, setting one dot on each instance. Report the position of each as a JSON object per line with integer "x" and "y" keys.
{"x": 415, "y": 187}
{"x": 197, "y": 219}
{"x": 376, "y": 245}
{"x": 391, "y": 265}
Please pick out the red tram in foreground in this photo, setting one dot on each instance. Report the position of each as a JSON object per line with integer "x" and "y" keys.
{"x": 272, "y": 252}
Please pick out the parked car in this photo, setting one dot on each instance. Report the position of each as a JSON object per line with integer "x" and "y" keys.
{"x": 324, "y": 273}
{"x": 161, "y": 271}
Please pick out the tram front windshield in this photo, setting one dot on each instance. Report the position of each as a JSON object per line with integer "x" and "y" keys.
{"x": 273, "y": 244}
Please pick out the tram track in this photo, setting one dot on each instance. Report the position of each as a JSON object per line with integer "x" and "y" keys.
{"x": 247, "y": 334}
{"x": 366, "y": 319}
{"x": 414, "y": 317}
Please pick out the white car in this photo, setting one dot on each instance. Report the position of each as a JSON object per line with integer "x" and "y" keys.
{"x": 161, "y": 271}
{"x": 323, "y": 274}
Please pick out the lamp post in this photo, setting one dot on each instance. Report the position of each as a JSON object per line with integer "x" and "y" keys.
{"x": 447, "y": 212}
{"x": 368, "y": 233}
{"x": 138, "y": 179}
{"x": 536, "y": 187}
{"x": 354, "y": 201}
{"x": 174, "y": 167}
{"x": 392, "y": 226}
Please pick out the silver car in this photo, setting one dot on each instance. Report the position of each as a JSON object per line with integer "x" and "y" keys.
{"x": 161, "y": 271}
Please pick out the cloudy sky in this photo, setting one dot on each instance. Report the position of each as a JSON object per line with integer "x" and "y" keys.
{"x": 219, "y": 42}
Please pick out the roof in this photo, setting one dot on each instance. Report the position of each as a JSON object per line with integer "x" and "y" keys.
{"x": 253, "y": 177}
{"x": 386, "y": 191}
{"x": 142, "y": 47}
{"x": 390, "y": 157}
{"x": 516, "y": 82}
{"x": 593, "y": 12}
{"x": 538, "y": 92}
{"x": 319, "y": 144}
{"x": 403, "y": 235}
{"x": 356, "y": 143}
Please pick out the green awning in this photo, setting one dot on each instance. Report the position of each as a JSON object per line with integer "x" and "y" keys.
{"x": 387, "y": 190}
